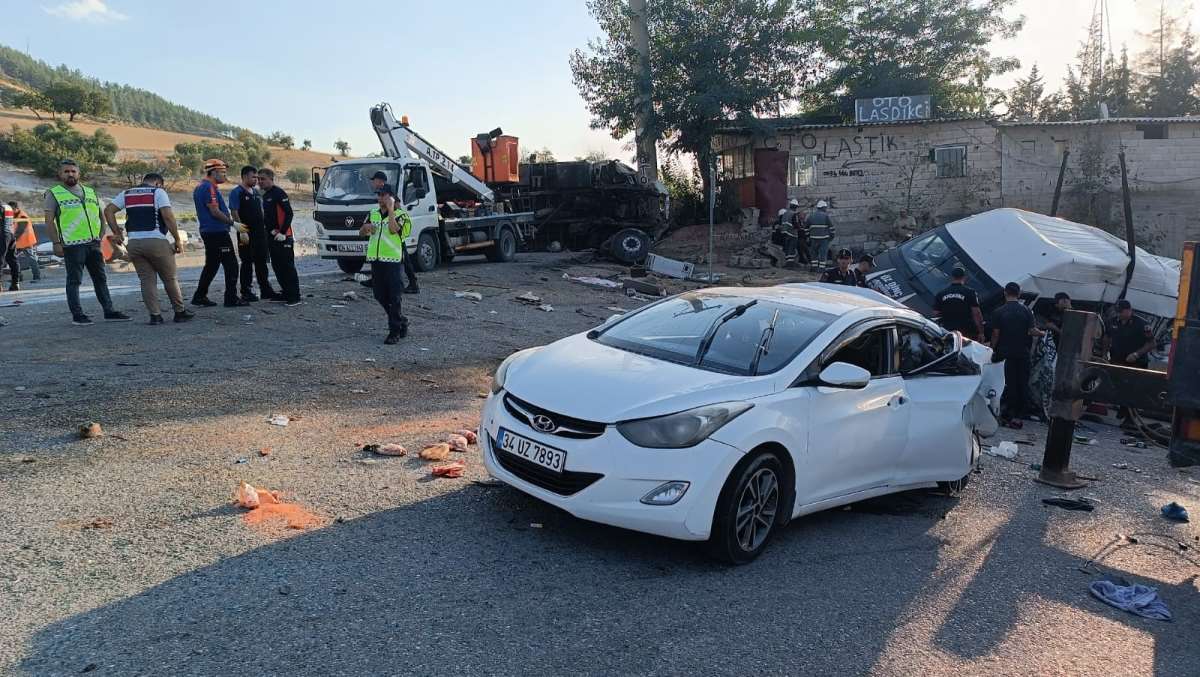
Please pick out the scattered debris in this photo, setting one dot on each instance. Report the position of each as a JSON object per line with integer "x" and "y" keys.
{"x": 535, "y": 525}
{"x": 619, "y": 311}
{"x": 489, "y": 483}
{"x": 707, "y": 277}
{"x": 1140, "y": 600}
{"x": 457, "y": 443}
{"x": 265, "y": 451}
{"x": 1082, "y": 504}
{"x": 247, "y": 496}
{"x": 350, "y": 295}
{"x": 430, "y": 381}
{"x": 1006, "y": 450}
{"x": 436, "y": 452}
{"x": 357, "y": 391}
{"x": 482, "y": 395}
{"x": 471, "y": 436}
{"x": 338, "y": 305}
{"x": 642, "y": 287}
{"x": 1084, "y": 439}
{"x": 669, "y": 267}
{"x": 529, "y": 298}
{"x": 369, "y": 359}
{"x": 453, "y": 470}
{"x": 389, "y": 449}
{"x": 241, "y": 460}
{"x": 90, "y": 431}
{"x": 546, "y": 308}
{"x": 468, "y": 295}
{"x": 1175, "y": 512}
{"x": 20, "y": 389}
{"x": 593, "y": 281}
{"x": 278, "y": 419}
{"x": 1035, "y": 466}
{"x": 99, "y": 523}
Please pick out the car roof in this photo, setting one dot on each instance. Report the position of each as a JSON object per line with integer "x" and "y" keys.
{"x": 833, "y": 299}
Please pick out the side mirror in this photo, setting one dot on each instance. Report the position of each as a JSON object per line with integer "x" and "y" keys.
{"x": 844, "y": 375}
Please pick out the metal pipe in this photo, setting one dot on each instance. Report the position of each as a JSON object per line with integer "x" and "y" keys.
{"x": 1130, "y": 237}
{"x": 1062, "y": 170}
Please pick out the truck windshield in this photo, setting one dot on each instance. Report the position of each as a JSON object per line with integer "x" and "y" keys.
{"x": 931, "y": 258}
{"x": 351, "y": 184}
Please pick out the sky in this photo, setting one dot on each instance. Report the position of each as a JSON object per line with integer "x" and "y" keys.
{"x": 313, "y": 68}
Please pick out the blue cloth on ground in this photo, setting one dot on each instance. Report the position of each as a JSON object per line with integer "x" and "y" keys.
{"x": 1174, "y": 511}
{"x": 1136, "y": 599}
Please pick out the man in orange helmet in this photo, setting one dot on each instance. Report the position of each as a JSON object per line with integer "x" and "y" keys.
{"x": 215, "y": 220}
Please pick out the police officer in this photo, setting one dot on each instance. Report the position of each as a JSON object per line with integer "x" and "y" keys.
{"x": 958, "y": 306}
{"x": 379, "y": 180}
{"x": 73, "y": 216}
{"x": 1128, "y": 341}
{"x": 842, "y": 273}
{"x": 865, "y": 265}
{"x": 388, "y": 227}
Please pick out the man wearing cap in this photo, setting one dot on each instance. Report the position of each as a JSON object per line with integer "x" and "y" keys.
{"x": 958, "y": 306}
{"x": 865, "y": 265}
{"x": 73, "y": 214}
{"x": 1013, "y": 329}
{"x": 214, "y": 218}
{"x": 378, "y": 181}
{"x": 1053, "y": 317}
{"x": 148, "y": 220}
{"x": 388, "y": 226}
{"x": 821, "y": 232}
{"x": 842, "y": 273}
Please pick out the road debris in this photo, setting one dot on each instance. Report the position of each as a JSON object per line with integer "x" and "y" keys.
{"x": 529, "y": 298}
{"x": 457, "y": 443}
{"x": 350, "y": 295}
{"x": 468, "y": 295}
{"x": 1084, "y": 439}
{"x": 1005, "y": 449}
{"x": 1139, "y": 600}
{"x": 98, "y": 523}
{"x": 265, "y": 451}
{"x": 1081, "y": 504}
{"x": 247, "y": 496}
{"x": 357, "y": 391}
{"x": 642, "y": 287}
{"x": 278, "y": 419}
{"x": 615, "y": 309}
{"x": 471, "y": 435}
{"x": 662, "y": 265}
{"x": 1175, "y": 512}
{"x": 593, "y": 281}
{"x": 90, "y": 431}
{"x": 338, "y": 305}
{"x": 546, "y": 308}
{"x": 388, "y": 449}
{"x": 436, "y": 452}
{"x": 20, "y": 389}
{"x": 453, "y": 470}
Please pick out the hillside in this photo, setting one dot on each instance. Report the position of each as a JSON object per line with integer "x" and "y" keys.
{"x": 129, "y": 104}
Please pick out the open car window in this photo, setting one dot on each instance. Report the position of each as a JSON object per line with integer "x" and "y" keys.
{"x": 870, "y": 350}
{"x": 923, "y": 352}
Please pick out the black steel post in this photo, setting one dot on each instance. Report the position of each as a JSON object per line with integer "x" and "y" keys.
{"x": 1062, "y": 170}
{"x": 1059, "y": 438}
{"x": 1130, "y": 236}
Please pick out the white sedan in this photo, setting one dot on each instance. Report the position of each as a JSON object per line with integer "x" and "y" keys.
{"x": 722, "y": 414}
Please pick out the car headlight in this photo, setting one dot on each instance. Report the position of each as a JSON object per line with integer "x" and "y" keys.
{"x": 502, "y": 370}
{"x": 685, "y": 429}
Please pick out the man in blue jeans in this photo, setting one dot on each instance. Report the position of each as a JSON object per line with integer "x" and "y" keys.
{"x": 73, "y": 214}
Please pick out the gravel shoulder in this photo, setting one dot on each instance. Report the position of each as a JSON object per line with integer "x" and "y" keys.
{"x": 415, "y": 575}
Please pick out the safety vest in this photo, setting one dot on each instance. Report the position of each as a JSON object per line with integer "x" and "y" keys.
{"x": 78, "y": 219}
{"x": 28, "y": 239}
{"x": 385, "y": 246}
{"x": 141, "y": 216}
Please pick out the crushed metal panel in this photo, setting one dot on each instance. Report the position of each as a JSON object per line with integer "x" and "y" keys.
{"x": 669, "y": 267}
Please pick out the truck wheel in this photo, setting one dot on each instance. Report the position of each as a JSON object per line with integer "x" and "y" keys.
{"x": 351, "y": 266}
{"x": 427, "y": 253}
{"x": 505, "y": 249}
{"x": 630, "y": 245}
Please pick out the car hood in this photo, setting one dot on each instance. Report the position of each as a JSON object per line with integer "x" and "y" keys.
{"x": 583, "y": 379}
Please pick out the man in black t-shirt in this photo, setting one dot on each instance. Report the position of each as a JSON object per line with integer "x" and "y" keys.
{"x": 1013, "y": 329}
{"x": 842, "y": 273}
{"x": 958, "y": 306}
{"x": 1127, "y": 338}
{"x": 1053, "y": 317}
{"x": 246, "y": 204}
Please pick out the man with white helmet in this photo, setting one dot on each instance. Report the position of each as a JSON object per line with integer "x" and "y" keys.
{"x": 821, "y": 231}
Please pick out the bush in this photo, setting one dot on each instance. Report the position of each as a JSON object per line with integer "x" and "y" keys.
{"x": 281, "y": 140}
{"x": 298, "y": 176}
{"x": 42, "y": 147}
{"x": 687, "y": 199}
{"x": 250, "y": 149}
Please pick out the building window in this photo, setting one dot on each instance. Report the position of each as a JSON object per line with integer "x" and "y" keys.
{"x": 1028, "y": 147}
{"x": 748, "y": 151}
{"x": 951, "y": 161}
{"x": 1153, "y": 131}
{"x": 738, "y": 163}
{"x": 801, "y": 170}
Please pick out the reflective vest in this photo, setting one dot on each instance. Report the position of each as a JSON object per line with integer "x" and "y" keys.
{"x": 27, "y": 239}
{"x": 141, "y": 216}
{"x": 78, "y": 219}
{"x": 384, "y": 245}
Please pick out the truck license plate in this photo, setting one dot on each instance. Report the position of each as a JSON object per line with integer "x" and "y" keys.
{"x": 356, "y": 248}
{"x": 547, "y": 457}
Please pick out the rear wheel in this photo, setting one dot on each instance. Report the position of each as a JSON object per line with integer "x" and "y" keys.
{"x": 505, "y": 249}
{"x": 630, "y": 245}
{"x": 426, "y": 253}
{"x": 748, "y": 510}
{"x": 350, "y": 266}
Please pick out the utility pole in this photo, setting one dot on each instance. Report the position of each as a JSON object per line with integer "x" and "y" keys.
{"x": 644, "y": 137}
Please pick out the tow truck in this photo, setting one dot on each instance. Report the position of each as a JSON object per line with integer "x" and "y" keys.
{"x": 453, "y": 212}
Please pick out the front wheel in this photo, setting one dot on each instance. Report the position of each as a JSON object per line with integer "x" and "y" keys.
{"x": 427, "y": 252}
{"x": 350, "y": 266}
{"x": 748, "y": 510}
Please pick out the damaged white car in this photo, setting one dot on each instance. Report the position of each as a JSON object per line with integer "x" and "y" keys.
{"x": 722, "y": 414}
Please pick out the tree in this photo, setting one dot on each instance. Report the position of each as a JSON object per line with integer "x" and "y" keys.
{"x": 34, "y": 101}
{"x": 893, "y": 47}
{"x": 711, "y": 61}
{"x": 536, "y": 156}
{"x": 1168, "y": 68}
{"x": 1121, "y": 100}
{"x": 1025, "y": 98}
{"x": 74, "y": 99}
{"x": 465, "y": 160}
{"x": 298, "y": 176}
{"x": 342, "y": 147}
{"x": 306, "y": 144}
{"x": 281, "y": 140}
{"x": 594, "y": 156}
{"x": 46, "y": 144}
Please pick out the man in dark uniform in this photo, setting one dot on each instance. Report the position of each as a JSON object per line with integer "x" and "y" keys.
{"x": 958, "y": 306}
{"x": 1013, "y": 329}
{"x": 842, "y": 273}
{"x": 1128, "y": 341}
{"x": 246, "y": 202}
{"x": 1053, "y": 317}
{"x": 865, "y": 265}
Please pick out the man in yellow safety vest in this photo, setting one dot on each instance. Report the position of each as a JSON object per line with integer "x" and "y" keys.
{"x": 388, "y": 226}
{"x": 73, "y": 214}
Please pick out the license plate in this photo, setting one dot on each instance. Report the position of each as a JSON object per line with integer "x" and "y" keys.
{"x": 547, "y": 457}
{"x": 356, "y": 248}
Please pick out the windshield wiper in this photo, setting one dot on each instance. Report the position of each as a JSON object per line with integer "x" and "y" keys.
{"x": 764, "y": 343}
{"x": 711, "y": 334}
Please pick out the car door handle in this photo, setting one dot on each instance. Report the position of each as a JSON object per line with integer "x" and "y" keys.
{"x": 431, "y": 208}
{"x": 898, "y": 400}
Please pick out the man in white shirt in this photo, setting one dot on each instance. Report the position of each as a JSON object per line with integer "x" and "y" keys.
{"x": 148, "y": 220}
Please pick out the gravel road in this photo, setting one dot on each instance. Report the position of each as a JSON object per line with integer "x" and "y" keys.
{"x": 124, "y": 555}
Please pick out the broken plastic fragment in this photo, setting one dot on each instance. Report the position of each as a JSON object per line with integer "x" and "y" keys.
{"x": 247, "y": 496}
{"x": 468, "y": 295}
{"x": 451, "y": 470}
{"x": 278, "y": 419}
{"x": 436, "y": 452}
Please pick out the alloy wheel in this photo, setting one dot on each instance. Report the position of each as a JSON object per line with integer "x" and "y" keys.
{"x": 756, "y": 509}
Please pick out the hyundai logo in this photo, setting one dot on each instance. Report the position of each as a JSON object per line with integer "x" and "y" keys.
{"x": 543, "y": 423}
{"x": 349, "y": 221}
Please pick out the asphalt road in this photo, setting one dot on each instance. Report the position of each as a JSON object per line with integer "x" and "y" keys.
{"x": 408, "y": 574}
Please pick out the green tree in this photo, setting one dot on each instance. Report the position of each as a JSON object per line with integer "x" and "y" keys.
{"x": 281, "y": 140}
{"x": 306, "y": 144}
{"x": 536, "y": 156}
{"x": 1025, "y": 98}
{"x": 298, "y": 176}
{"x": 1168, "y": 68}
{"x": 43, "y": 146}
{"x": 74, "y": 99}
{"x": 711, "y": 61}
{"x": 342, "y": 147}
{"x": 34, "y": 101}
{"x": 593, "y": 156}
{"x": 874, "y": 48}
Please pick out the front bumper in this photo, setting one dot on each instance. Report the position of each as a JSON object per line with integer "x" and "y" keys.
{"x": 626, "y": 474}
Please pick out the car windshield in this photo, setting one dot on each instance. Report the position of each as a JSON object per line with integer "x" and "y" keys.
{"x": 736, "y": 335}
{"x": 931, "y": 259}
{"x": 350, "y": 184}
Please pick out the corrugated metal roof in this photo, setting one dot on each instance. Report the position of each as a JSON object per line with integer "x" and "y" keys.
{"x": 796, "y": 124}
{"x": 1079, "y": 123}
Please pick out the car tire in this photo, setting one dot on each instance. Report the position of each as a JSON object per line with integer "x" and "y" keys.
{"x": 630, "y": 246}
{"x": 427, "y": 253}
{"x": 350, "y": 266}
{"x": 505, "y": 249}
{"x": 956, "y": 487}
{"x": 755, "y": 490}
